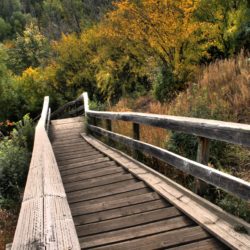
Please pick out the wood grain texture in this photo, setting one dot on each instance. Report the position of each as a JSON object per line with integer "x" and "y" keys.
{"x": 235, "y": 133}
{"x": 207, "y": 215}
{"x": 212, "y": 176}
{"x": 45, "y": 220}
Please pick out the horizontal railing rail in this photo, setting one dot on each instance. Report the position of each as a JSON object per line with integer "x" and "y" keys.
{"x": 45, "y": 220}
{"x": 202, "y": 128}
{"x": 72, "y": 108}
{"x": 235, "y": 133}
{"x": 209, "y": 175}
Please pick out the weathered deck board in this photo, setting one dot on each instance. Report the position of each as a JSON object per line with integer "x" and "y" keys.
{"x": 111, "y": 207}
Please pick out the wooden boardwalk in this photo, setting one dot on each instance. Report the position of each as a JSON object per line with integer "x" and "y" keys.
{"x": 111, "y": 207}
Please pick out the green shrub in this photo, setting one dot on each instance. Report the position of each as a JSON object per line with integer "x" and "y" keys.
{"x": 23, "y": 134}
{"x": 165, "y": 87}
{"x": 235, "y": 206}
{"x": 14, "y": 162}
{"x": 15, "y": 152}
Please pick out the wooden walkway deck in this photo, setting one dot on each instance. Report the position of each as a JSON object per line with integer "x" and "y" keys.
{"x": 111, "y": 207}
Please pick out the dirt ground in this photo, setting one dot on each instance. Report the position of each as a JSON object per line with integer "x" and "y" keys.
{"x": 8, "y": 221}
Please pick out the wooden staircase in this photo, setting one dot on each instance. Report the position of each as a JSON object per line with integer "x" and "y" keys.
{"x": 82, "y": 194}
{"x": 111, "y": 208}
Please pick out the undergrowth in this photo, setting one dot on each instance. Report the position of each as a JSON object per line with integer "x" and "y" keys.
{"x": 222, "y": 93}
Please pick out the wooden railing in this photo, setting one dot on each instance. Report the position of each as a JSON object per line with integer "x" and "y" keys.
{"x": 204, "y": 129}
{"x": 73, "y": 108}
{"x": 45, "y": 220}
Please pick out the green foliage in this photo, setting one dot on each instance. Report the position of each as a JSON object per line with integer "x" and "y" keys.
{"x": 235, "y": 206}
{"x": 5, "y": 29}
{"x": 226, "y": 25}
{"x": 23, "y": 134}
{"x": 30, "y": 50}
{"x": 10, "y": 101}
{"x": 14, "y": 159}
{"x": 183, "y": 144}
{"x": 165, "y": 87}
{"x": 13, "y": 169}
{"x": 12, "y": 19}
{"x": 63, "y": 16}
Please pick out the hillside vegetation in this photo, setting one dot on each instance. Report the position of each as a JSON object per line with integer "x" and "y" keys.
{"x": 222, "y": 92}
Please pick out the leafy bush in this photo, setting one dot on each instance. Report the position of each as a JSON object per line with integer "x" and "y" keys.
{"x": 235, "y": 206}
{"x": 14, "y": 159}
{"x": 23, "y": 134}
{"x": 165, "y": 87}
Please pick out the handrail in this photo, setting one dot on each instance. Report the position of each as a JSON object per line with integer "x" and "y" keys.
{"x": 235, "y": 133}
{"x": 45, "y": 220}
{"x": 69, "y": 105}
{"x": 212, "y": 176}
{"x": 205, "y": 129}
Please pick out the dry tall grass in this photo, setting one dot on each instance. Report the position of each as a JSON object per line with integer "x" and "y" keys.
{"x": 222, "y": 93}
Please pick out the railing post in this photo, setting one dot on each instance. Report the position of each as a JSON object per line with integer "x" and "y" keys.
{"x": 85, "y": 102}
{"x": 202, "y": 187}
{"x": 108, "y": 127}
{"x": 48, "y": 120}
{"x": 136, "y": 135}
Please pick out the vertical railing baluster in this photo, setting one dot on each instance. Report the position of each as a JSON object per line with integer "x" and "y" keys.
{"x": 109, "y": 128}
{"x": 136, "y": 135}
{"x": 202, "y": 187}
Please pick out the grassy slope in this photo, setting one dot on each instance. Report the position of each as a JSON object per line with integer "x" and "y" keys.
{"x": 222, "y": 93}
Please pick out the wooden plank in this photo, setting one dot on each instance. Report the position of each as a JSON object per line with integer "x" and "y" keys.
{"x": 83, "y": 208}
{"x": 67, "y": 142}
{"x": 120, "y": 212}
{"x": 72, "y": 150}
{"x": 107, "y": 191}
{"x": 97, "y": 182}
{"x": 93, "y": 174}
{"x": 55, "y": 137}
{"x": 218, "y": 130}
{"x": 82, "y": 158}
{"x": 64, "y": 136}
{"x": 77, "y": 155}
{"x": 82, "y": 169}
{"x": 83, "y": 163}
{"x": 68, "y": 146}
{"x": 209, "y": 216}
{"x": 67, "y": 120}
{"x": 208, "y": 244}
{"x": 159, "y": 241}
{"x": 127, "y": 221}
{"x": 75, "y": 151}
{"x": 113, "y": 197}
{"x": 67, "y": 129}
{"x": 212, "y": 176}
{"x": 140, "y": 231}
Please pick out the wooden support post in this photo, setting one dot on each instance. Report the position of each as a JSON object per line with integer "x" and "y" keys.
{"x": 136, "y": 135}
{"x": 94, "y": 121}
{"x": 48, "y": 120}
{"x": 109, "y": 128}
{"x": 109, "y": 125}
{"x": 202, "y": 187}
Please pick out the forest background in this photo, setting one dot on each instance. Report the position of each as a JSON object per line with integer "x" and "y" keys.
{"x": 177, "y": 57}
